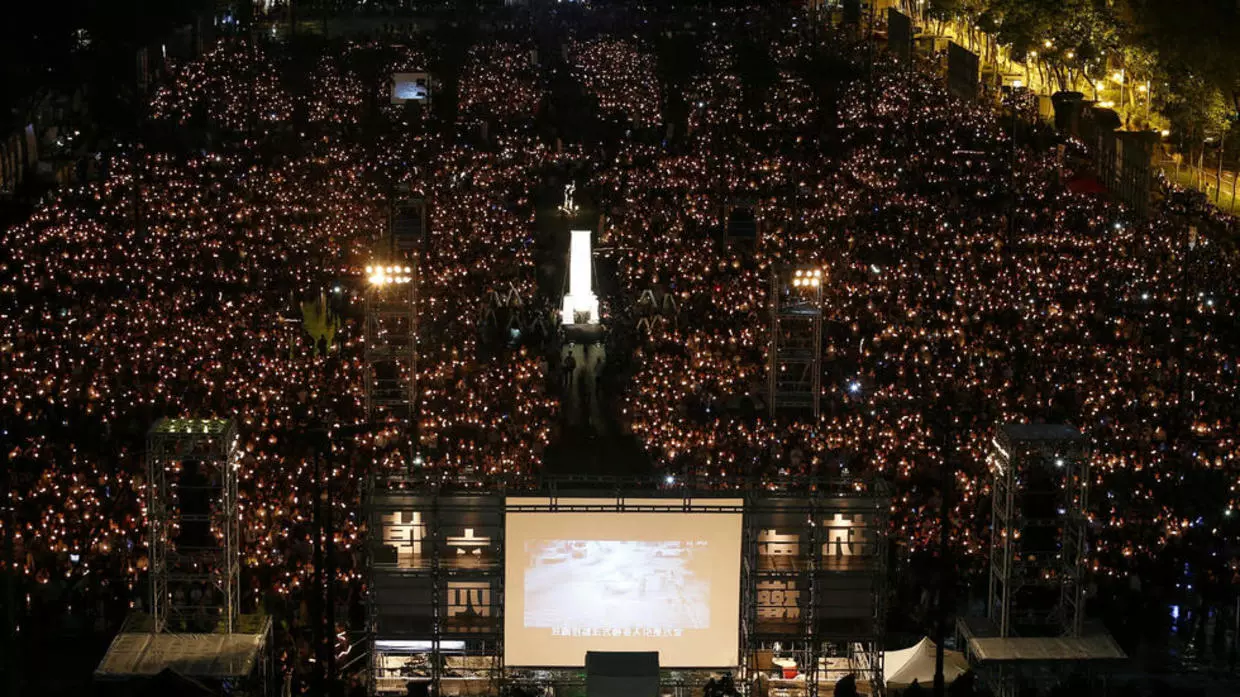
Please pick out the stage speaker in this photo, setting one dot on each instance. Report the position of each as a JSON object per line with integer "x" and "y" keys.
{"x": 622, "y": 674}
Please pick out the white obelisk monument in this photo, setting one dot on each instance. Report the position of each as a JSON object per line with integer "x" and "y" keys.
{"x": 580, "y": 302}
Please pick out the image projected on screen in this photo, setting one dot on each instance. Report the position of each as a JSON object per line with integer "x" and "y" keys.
{"x": 616, "y": 587}
{"x": 411, "y": 87}
{"x": 410, "y": 90}
{"x": 622, "y": 580}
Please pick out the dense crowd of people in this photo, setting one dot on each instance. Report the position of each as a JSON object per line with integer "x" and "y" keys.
{"x": 501, "y": 81}
{"x": 173, "y": 286}
{"x": 965, "y": 285}
{"x": 620, "y": 76}
{"x": 957, "y": 280}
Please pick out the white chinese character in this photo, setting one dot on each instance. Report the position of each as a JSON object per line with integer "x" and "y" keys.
{"x": 403, "y": 530}
{"x": 469, "y": 598}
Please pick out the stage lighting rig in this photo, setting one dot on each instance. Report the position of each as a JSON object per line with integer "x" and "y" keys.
{"x": 794, "y": 354}
{"x": 391, "y": 348}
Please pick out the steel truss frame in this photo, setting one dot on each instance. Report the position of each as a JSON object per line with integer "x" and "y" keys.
{"x": 176, "y": 571}
{"x": 816, "y": 634}
{"x": 863, "y": 642}
{"x": 1062, "y": 452}
{"x": 434, "y": 575}
{"x": 741, "y": 202}
{"x": 794, "y": 352}
{"x": 391, "y": 347}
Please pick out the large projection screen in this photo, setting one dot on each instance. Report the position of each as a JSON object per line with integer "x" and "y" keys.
{"x": 411, "y": 87}
{"x": 622, "y": 581}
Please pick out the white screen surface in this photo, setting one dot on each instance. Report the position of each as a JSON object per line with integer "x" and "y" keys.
{"x": 620, "y": 581}
{"x": 410, "y": 87}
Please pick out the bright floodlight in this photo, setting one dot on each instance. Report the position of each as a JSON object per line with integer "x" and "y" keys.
{"x": 580, "y": 303}
{"x": 389, "y": 275}
{"x": 807, "y": 278}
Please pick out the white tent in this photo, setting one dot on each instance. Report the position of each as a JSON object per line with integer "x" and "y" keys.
{"x": 901, "y": 668}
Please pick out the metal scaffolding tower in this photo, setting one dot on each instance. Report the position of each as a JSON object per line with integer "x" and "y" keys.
{"x": 1038, "y": 527}
{"x": 794, "y": 357}
{"x": 436, "y": 587}
{"x": 191, "y": 467}
{"x": 391, "y": 346}
{"x": 814, "y": 577}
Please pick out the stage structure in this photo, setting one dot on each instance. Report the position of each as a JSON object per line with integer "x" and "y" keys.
{"x": 238, "y": 662}
{"x": 1038, "y": 526}
{"x": 391, "y": 346}
{"x": 436, "y": 584}
{"x": 740, "y": 221}
{"x": 1034, "y": 630}
{"x": 456, "y": 577}
{"x": 815, "y": 599}
{"x": 580, "y": 303}
{"x": 407, "y": 222}
{"x": 191, "y": 467}
{"x": 794, "y": 353}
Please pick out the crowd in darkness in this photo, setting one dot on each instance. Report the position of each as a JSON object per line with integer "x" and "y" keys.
{"x": 966, "y": 285}
{"x": 173, "y": 287}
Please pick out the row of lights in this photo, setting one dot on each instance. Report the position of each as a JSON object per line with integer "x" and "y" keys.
{"x": 807, "y": 279}
{"x": 383, "y": 275}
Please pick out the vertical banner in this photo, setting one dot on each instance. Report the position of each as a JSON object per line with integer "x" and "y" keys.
{"x": 899, "y": 35}
{"x": 962, "y": 71}
{"x": 143, "y": 69}
{"x": 779, "y": 600}
{"x": 852, "y": 12}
